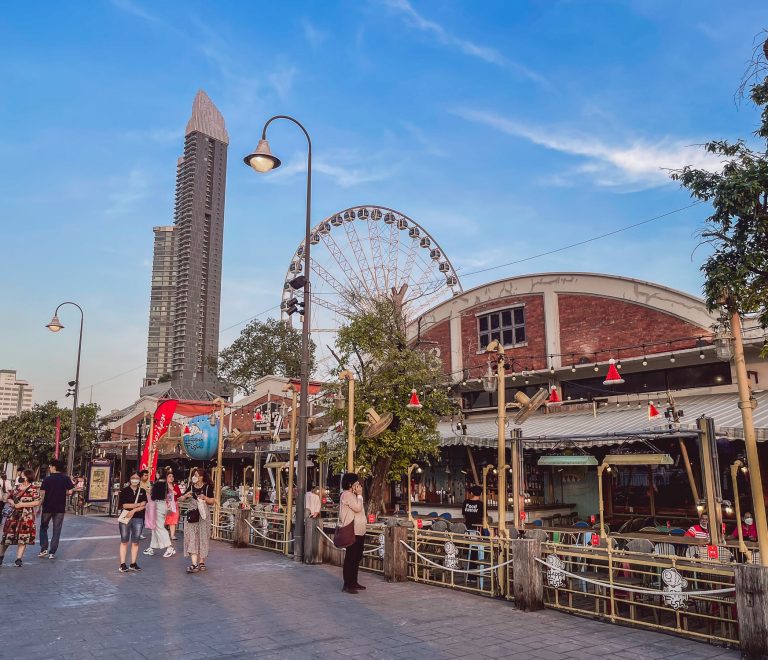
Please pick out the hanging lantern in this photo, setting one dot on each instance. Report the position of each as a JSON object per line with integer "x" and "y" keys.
{"x": 414, "y": 403}
{"x": 723, "y": 347}
{"x": 554, "y": 397}
{"x": 613, "y": 377}
{"x": 653, "y": 411}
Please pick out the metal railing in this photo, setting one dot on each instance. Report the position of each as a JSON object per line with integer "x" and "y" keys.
{"x": 373, "y": 551}
{"x": 689, "y": 597}
{"x": 454, "y": 560}
{"x": 267, "y": 528}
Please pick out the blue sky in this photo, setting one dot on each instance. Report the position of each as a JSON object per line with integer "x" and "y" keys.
{"x": 507, "y": 129}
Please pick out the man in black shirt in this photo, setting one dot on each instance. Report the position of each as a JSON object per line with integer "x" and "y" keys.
{"x": 472, "y": 510}
{"x": 56, "y": 487}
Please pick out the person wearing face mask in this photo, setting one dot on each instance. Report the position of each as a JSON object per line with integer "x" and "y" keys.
{"x": 748, "y": 528}
{"x": 133, "y": 499}
{"x": 197, "y": 528}
{"x": 700, "y": 531}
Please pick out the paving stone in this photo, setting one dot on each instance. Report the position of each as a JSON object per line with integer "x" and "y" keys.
{"x": 256, "y": 604}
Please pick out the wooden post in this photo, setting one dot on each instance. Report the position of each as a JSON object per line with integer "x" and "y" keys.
{"x": 312, "y": 540}
{"x": 689, "y": 470}
{"x": 752, "y": 609}
{"x": 395, "y": 553}
{"x": 329, "y": 552}
{"x": 528, "y": 585}
{"x": 217, "y": 475}
{"x": 291, "y": 459}
{"x": 473, "y": 466}
{"x": 242, "y": 531}
{"x": 706, "y": 444}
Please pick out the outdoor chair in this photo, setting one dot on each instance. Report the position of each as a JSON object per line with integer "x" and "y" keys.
{"x": 538, "y": 522}
{"x": 664, "y": 550}
{"x": 677, "y": 531}
{"x": 446, "y": 516}
{"x": 431, "y": 514}
{"x": 440, "y": 525}
{"x": 536, "y": 534}
{"x": 457, "y": 528}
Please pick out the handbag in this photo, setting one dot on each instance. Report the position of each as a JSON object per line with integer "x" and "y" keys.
{"x": 193, "y": 512}
{"x": 344, "y": 536}
{"x": 125, "y": 516}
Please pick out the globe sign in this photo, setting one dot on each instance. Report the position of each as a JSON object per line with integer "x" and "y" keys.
{"x": 201, "y": 437}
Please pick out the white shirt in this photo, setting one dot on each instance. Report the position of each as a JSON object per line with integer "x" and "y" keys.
{"x": 312, "y": 503}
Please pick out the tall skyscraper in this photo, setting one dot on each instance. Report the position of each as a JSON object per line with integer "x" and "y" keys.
{"x": 186, "y": 290}
{"x": 15, "y": 394}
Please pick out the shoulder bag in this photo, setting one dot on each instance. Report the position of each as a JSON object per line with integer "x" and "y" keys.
{"x": 126, "y": 515}
{"x": 344, "y": 536}
{"x": 193, "y": 512}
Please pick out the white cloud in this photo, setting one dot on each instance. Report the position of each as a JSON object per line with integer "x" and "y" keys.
{"x": 126, "y": 191}
{"x": 443, "y": 36}
{"x": 343, "y": 168}
{"x": 312, "y": 34}
{"x": 637, "y": 163}
{"x": 131, "y": 7}
{"x": 282, "y": 80}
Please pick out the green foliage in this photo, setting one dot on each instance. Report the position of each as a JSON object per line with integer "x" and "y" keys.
{"x": 373, "y": 345}
{"x": 263, "y": 348}
{"x": 29, "y": 439}
{"x": 737, "y": 229}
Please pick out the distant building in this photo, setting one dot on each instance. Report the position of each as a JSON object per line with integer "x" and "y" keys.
{"x": 186, "y": 275}
{"x": 15, "y": 394}
{"x": 162, "y": 306}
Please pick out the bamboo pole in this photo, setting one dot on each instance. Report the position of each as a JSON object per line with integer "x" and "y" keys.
{"x": 746, "y": 403}
{"x": 689, "y": 470}
{"x": 219, "y": 459}
{"x": 472, "y": 465}
{"x": 705, "y": 442}
{"x": 734, "y": 477}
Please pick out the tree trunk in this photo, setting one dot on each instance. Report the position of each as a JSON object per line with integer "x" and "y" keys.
{"x": 376, "y": 494}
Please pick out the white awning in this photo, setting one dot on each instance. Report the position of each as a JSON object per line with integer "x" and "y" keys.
{"x": 613, "y": 425}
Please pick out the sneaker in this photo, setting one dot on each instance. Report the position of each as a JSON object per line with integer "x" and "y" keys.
{"x": 51, "y": 556}
{"x": 135, "y": 567}
{"x": 142, "y": 537}
{"x": 18, "y": 563}
{"x": 169, "y": 553}
{"x": 149, "y": 551}
{"x": 43, "y": 553}
{"x": 123, "y": 568}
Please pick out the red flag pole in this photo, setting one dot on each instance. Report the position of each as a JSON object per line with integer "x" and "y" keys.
{"x": 58, "y": 437}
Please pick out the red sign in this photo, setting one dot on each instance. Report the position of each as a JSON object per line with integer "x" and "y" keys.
{"x": 523, "y": 516}
{"x": 160, "y": 425}
{"x": 592, "y": 519}
{"x": 713, "y": 552}
{"x": 371, "y": 518}
{"x": 595, "y": 539}
{"x": 419, "y": 523}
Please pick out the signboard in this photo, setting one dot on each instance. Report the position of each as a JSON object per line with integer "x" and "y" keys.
{"x": 419, "y": 523}
{"x": 371, "y": 518}
{"x": 595, "y": 539}
{"x": 713, "y": 552}
{"x": 99, "y": 480}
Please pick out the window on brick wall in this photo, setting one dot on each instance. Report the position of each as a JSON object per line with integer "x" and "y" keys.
{"x": 506, "y": 325}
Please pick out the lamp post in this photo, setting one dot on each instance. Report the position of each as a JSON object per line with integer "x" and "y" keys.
{"x": 54, "y": 326}
{"x": 411, "y": 468}
{"x": 348, "y": 376}
{"x": 496, "y": 347}
{"x": 262, "y": 160}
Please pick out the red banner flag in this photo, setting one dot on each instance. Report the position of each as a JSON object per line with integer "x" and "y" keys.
{"x": 160, "y": 425}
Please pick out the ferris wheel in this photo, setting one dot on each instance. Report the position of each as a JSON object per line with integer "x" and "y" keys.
{"x": 367, "y": 253}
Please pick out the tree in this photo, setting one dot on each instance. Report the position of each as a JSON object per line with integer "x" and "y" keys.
{"x": 373, "y": 345}
{"x": 263, "y": 348}
{"x": 737, "y": 229}
{"x": 29, "y": 439}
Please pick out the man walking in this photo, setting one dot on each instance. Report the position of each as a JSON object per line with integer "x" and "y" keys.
{"x": 55, "y": 489}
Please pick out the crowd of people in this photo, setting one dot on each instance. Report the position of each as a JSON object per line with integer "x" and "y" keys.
{"x": 142, "y": 504}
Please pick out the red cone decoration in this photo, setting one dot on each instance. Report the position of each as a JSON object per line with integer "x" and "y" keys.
{"x": 613, "y": 377}
{"x": 186, "y": 429}
{"x": 554, "y": 397}
{"x": 414, "y": 402}
{"x": 653, "y": 411}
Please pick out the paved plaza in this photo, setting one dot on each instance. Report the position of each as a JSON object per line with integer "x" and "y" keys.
{"x": 252, "y": 603}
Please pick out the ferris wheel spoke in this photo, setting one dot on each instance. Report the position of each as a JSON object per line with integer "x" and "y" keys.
{"x": 392, "y": 255}
{"x": 362, "y": 259}
{"x": 338, "y": 256}
{"x": 329, "y": 279}
{"x": 379, "y": 272}
{"x": 409, "y": 260}
{"x": 322, "y": 301}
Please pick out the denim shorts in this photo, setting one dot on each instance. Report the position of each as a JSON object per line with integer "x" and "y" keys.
{"x": 132, "y": 530}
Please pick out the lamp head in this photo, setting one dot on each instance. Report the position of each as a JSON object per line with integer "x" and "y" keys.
{"x": 55, "y": 324}
{"x": 262, "y": 159}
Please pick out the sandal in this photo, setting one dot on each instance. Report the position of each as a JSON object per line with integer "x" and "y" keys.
{"x": 201, "y": 566}
{"x": 192, "y": 569}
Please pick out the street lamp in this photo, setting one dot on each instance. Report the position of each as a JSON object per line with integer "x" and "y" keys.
{"x": 262, "y": 160}
{"x": 496, "y": 347}
{"x": 55, "y": 326}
